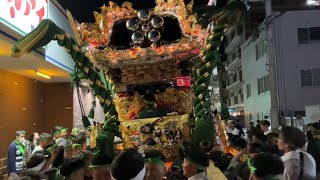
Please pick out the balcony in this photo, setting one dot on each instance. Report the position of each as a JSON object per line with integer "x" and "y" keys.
{"x": 234, "y": 39}
{"x": 234, "y": 60}
{"x": 236, "y": 101}
{"x": 235, "y": 80}
{"x": 215, "y": 98}
{"x": 213, "y": 81}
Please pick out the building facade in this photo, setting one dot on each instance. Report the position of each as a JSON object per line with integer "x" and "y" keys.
{"x": 234, "y": 85}
{"x": 296, "y": 42}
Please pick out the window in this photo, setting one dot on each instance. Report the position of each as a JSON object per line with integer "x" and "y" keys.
{"x": 240, "y": 91}
{"x": 263, "y": 84}
{"x": 259, "y": 86}
{"x": 240, "y": 76}
{"x": 261, "y": 49}
{"x": 314, "y": 34}
{"x": 308, "y": 35}
{"x": 258, "y": 116}
{"x": 266, "y": 83}
{"x": 236, "y": 100}
{"x": 310, "y": 77}
{"x": 316, "y": 77}
{"x": 248, "y": 87}
{"x": 250, "y": 117}
{"x": 234, "y": 77}
{"x": 303, "y": 35}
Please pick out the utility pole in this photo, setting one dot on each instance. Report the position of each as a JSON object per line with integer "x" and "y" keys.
{"x": 274, "y": 111}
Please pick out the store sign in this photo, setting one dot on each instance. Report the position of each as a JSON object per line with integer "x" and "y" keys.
{"x": 23, "y": 15}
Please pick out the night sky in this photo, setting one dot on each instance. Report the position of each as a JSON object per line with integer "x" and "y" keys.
{"x": 83, "y": 9}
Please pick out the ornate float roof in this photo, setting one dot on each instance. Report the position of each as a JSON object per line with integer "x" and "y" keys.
{"x": 145, "y": 27}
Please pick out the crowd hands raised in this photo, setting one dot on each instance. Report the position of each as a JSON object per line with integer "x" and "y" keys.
{"x": 258, "y": 155}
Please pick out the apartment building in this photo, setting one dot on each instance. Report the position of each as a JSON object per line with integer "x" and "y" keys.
{"x": 296, "y": 45}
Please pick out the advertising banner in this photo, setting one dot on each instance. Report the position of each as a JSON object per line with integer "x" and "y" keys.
{"x": 23, "y": 15}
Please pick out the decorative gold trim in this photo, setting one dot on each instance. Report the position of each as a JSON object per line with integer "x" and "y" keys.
{"x": 98, "y": 34}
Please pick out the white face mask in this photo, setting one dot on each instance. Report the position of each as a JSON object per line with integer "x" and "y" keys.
{"x": 22, "y": 140}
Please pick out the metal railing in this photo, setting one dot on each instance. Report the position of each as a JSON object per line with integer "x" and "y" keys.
{"x": 234, "y": 55}
{"x": 234, "y": 78}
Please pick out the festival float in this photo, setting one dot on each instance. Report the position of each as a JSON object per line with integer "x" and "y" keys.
{"x": 151, "y": 86}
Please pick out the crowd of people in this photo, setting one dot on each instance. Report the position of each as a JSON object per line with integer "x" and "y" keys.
{"x": 260, "y": 155}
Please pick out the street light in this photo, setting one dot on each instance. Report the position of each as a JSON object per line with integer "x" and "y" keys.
{"x": 313, "y": 2}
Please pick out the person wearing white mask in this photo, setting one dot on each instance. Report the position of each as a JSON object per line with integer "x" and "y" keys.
{"x": 16, "y": 152}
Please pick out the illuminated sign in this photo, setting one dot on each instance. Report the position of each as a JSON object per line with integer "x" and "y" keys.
{"x": 184, "y": 81}
{"x": 23, "y": 15}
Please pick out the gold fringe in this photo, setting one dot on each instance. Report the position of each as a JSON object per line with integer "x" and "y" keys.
{"x": 74, "y": 28}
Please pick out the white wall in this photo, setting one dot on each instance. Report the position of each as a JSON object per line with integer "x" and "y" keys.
{"x": 251, "y": 71}
{"x": 15, "y": 27}
{"x": 292, "y": 57}
{"x": 58, "y": 55}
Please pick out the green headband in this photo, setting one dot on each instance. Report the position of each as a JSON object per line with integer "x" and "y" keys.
{"x": 154, "y": 161}
{"x": 50, "y": 149}
{"x": 76, "y": 145}
{"x": 75, "y": 130}
{"x": 99, "y": 166}
{"x": 250, "y": 166}
{"x": 148, "y": 102}
{"x": 55, "y": 133}
{"x": 60, "y": 131}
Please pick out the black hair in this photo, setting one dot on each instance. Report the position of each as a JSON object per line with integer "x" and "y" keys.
{"x": 251, "y": 123}
{"x": 197, "y": 155}
{"x": 293, "y": 136}
{"x": 57, "y": 162}
{"x": 80, "y": 139}
{"x": 129, "y": 161}
{"x": 44, "y": 152}
{"x": 35, "y": 160}
{"x": 101, "y": 159}
{"x": 174, "y": 175}
{"x": 309, "y": 135}
{"x": 31, "y": 137}
{"x": 30, "y": 174}
{"x": 149, "y": 97}
{"x": 267, "y": 164}
{"x": 256, "y": 148}
{"x": 85, "y": 156}
{"x": 50, "y": 173}
{"x": 259, "y": 135}
{"x": 258, "y": 121}
{"x": 71, "y": 165}
{"x": 265, "y": 122}
{"x": 154, "y": 153}
{"x": 220, "y": 160}
{"x": 240, "y": 142}
{"x": 271, "y": 137}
